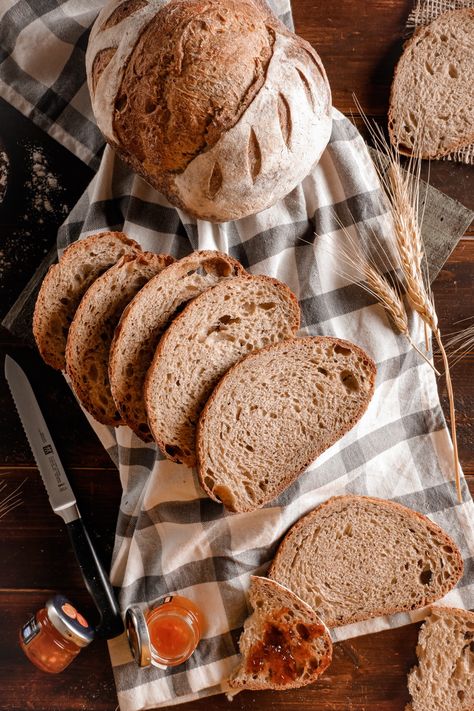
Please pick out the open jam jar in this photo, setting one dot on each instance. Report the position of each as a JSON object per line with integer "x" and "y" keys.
{"x": 53, "y": 637}
{"x": 165, "y": 634}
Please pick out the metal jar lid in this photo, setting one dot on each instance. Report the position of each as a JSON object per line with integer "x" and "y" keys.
{"x": 69, "y": 623}
{"x": 138, "y": 635}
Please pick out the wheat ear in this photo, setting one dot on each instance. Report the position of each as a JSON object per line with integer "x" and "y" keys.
{"x": 410, "y": 250}
{"x": 374, "y": 282}
{"x": 393, "y": 305}
{"x": 402, "y": 193}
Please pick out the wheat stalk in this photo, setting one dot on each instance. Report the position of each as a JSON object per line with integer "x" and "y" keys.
{"x": 410, "y": 245}
{"x": 375, "y": 283}
{"x": 393, "y": 305}
{"x": 11, "y": 500}
{"x": 460, "y": 344}
{"x": 411, "y": 253}
{"x": 401, "y": 192}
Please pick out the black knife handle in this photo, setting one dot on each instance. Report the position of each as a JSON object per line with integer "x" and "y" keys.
{"x": 96, "y": 580}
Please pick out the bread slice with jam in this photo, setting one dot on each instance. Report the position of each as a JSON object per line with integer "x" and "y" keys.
{"x": 284, "y": 644}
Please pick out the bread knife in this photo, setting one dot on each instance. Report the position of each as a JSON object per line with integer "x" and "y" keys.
{"x": 62, "y": 500}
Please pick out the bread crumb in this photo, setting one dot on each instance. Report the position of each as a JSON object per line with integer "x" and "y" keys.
{"x": 4, "y": 170}
{"x": 43, "y": 187}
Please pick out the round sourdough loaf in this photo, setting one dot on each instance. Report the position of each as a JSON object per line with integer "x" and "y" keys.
{"x": 215, "y": 103}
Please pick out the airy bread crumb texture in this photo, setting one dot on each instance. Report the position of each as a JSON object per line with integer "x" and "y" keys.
{"x": 432, "y": 97}
{"x": 275, "y": 412}
{"x": 355, "y": 557}
{"x": 215, "y": 330}
{"x": 284, "y": 644}
{"x": 91, "y": 332}
{"x": 145, "y": 320}
{"x": 444, "y": 677}
{"x": 65, "y": 284}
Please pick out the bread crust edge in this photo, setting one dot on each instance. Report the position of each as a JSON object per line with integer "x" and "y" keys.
{"x": 387, "y": 504}
{"x": 294, "y": 475}
{"x": 401, "y": 148}
{"x": 41, "y": 311}
{"x": 199, "y": 257}
{"x": 192, "y": 461}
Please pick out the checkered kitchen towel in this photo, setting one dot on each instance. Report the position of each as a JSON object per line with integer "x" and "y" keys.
{"x": 170, "y": 537}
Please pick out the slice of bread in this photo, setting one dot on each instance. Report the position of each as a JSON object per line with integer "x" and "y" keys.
{"x": 284, "y": 644}
{"x": 91, "y": 332}
{"x": 65, "y": 284}
{"x": 145, "y": 320}
{"x": 215, "y": 330}
{"x": 444, "y": 677}
{"x": 355, "y": 557}
{"x": 432, "y": 96}
{"x": 275, "y": 412}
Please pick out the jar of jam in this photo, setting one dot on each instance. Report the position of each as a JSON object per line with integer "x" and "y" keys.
{"x": 165, "y": 634}
{"x": 53, "y": 637}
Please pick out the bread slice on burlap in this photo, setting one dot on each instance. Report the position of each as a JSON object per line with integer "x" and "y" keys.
{"x": 215, "y": 330}
{"x": 91, "y": 332}
{"x": 144, "y": 321}
{"x": 275, "y": 412}
{"x": 432, "y": 97}
{"x": 356, "y": 557}
{"x": 284, "y": 644}
{"x": 65, "y": 284}
{"x": 444, "y": 677}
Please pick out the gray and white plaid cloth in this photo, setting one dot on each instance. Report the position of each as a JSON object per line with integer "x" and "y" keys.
{"x": 170, "y": 537}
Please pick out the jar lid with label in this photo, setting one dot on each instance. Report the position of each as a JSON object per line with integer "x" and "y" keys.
{"x": 55, "y": 635}
{"x": 68, "y": 621}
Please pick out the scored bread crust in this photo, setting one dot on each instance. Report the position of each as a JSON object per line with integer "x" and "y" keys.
{"x": 465, "y": 618}
{"x": 91, "y": 332}
{"x": 64, "y": 285}
{"x": 287, "y": 547}
{"x": 265, "y": 590}
{"x": 146, "y": 318}
{"x": 171, "y": 449}
{"x": 261, "y": 136}
{"x": 400, "y": 94}
{"x": 237, "y": 504}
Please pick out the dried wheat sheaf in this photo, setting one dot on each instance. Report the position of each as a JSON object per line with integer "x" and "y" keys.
{"x": 402, "y": 268}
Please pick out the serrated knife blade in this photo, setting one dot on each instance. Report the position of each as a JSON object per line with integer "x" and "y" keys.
{"x": 61, "y": 496}
{"x": 62, "y": 499}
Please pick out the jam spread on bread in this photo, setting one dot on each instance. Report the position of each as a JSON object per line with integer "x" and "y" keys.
{"x": 284, "y": 650}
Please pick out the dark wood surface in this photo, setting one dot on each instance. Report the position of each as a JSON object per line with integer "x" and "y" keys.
{"x": 359, "y": 43}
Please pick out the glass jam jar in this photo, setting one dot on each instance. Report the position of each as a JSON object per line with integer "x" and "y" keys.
{"x": 53, "y": 637}
{"x": 165, "y": 634}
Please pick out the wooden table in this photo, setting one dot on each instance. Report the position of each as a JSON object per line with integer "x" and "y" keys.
{"x": 359, "y": 42}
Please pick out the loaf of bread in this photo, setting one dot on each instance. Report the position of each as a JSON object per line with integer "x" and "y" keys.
{"x": 65, "y": 284}
{"x": 444, "y": 677}
{"x": 284, "y": 644}
{"x": 215, "y": 103}
{"x": 275, "y": 412}
{"x": 355, "y": 557}
{"x": 215, "y": 330}
{"x": 432, "y": 98}
{"x": 146, "y": 318}
{"x": 91, "y": 332}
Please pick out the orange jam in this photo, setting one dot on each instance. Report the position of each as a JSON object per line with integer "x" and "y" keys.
{"x": 166, "y": 634}
{"x": 53, "y": 637}
{"x": 175, "y": 627}
{"x": 285, "y": 651}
